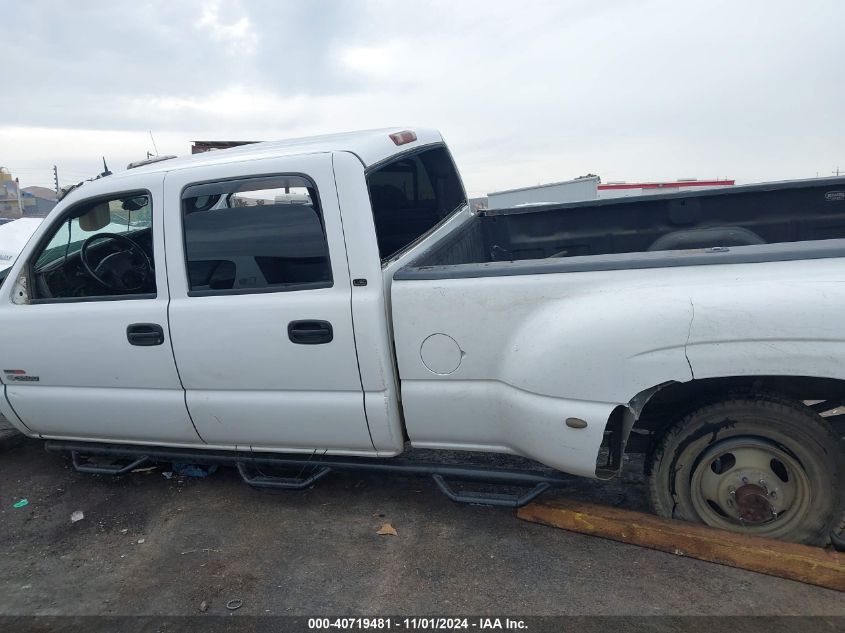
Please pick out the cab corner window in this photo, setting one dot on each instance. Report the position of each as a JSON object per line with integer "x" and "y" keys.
{"x": 102, "y": 250}
{"x": 255, "y": 235}
{"x": 411, "y": 195}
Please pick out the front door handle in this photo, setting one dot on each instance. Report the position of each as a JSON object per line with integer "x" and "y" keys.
{"x": 310, "y": 332}
{"x": 145, "y": 334}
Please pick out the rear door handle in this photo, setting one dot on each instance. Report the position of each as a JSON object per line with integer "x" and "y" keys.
{"x": 310, "y": 332}
{"x": 145, "y": 334}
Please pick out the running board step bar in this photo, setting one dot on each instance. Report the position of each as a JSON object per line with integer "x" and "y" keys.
{"x": 281, "y": 483}
{"x": 491, "y": 498}
{"x": 248, "y": 464}
{"x": 106, "y": 469}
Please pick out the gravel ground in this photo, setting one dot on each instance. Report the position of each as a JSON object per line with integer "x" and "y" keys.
{"x": 157, "y": 546}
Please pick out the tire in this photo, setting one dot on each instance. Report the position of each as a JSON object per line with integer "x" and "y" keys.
{"x": 761, "y": 466}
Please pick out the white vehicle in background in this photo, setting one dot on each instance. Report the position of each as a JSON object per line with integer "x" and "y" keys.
{"x": 325, "y": 303}
{"x": 14, "y": 235}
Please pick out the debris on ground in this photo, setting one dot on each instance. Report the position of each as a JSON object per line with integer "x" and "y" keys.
{"x": 77, "y": 516}
{"x": 387, "y": 530}
{"x": 206, "y": 550}
{"x": 194, "y": 470}
{"x": 234, "y": 605}
{"x": 21, "y": 504}
{"x": 141, "y": 541}
{"x": 203, "y": 606}
{"x": 167, "y": 474}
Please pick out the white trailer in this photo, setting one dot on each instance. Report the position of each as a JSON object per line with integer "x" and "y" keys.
{"x": 13, "y": 237}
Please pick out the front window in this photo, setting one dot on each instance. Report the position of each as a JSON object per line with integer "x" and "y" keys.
{"x": 103, "y": 248}
{"x": 119, "y": 216}
{"x": 411, "y": 195}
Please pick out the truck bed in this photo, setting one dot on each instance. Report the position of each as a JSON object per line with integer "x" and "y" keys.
{"x": 751, "y": 223}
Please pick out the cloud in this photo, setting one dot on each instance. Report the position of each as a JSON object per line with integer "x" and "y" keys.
{"x": 660, "y": 89}
{"x": 372, "y": 60}
{"x": 237, "y": 34}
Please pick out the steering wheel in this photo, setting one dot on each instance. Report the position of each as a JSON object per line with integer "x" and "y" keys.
{"x": 124, "y": 271}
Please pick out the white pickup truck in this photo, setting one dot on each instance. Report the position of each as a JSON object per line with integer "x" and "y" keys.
{"x": 332, "y": 300}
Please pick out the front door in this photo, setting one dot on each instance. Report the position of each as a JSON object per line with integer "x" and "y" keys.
{"x": 85, "y": 351}
{"x": 261, "y": 307}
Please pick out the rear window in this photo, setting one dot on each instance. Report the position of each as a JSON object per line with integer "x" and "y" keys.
{"x": 255, "y": 235}
{"x": 411, "y": 195}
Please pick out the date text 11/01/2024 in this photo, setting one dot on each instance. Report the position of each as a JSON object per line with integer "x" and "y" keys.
{"x": 430, "y": 624}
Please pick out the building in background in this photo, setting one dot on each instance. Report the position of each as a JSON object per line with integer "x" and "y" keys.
{"x": 37, "y": 201}
{"x": 27, "y": 202}
{"x": 478, "y": 204}
{"x": 10, "y": 195}
{"x": 590, "y": 187}
{"x": 622, "y": 189}
{"x": 576, "y": 190}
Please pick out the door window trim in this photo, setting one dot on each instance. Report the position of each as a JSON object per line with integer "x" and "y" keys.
{"x": 60, "y": 220}
{"x": 292, "y": 287}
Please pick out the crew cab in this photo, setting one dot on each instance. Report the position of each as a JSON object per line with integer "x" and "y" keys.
{"x": 336, "y": 299}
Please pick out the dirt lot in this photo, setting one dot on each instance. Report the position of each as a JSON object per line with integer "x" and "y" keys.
{"x": 149, "y": 545}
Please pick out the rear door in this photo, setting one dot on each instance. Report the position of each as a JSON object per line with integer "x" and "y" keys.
{"x": 261, "y": 306}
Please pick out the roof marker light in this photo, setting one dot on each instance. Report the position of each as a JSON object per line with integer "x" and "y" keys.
{"x": 406, "y": 136}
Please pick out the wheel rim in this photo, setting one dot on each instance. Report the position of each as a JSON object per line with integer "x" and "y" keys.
{"x": 749, "y": 483}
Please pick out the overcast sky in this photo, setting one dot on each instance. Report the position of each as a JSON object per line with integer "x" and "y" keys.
{"x": 524, "y": 92}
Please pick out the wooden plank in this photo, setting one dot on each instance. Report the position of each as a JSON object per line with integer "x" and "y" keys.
{"x": 812, "y": 565}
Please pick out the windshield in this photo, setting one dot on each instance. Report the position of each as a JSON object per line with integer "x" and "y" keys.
{"x": 122, "y": 216}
